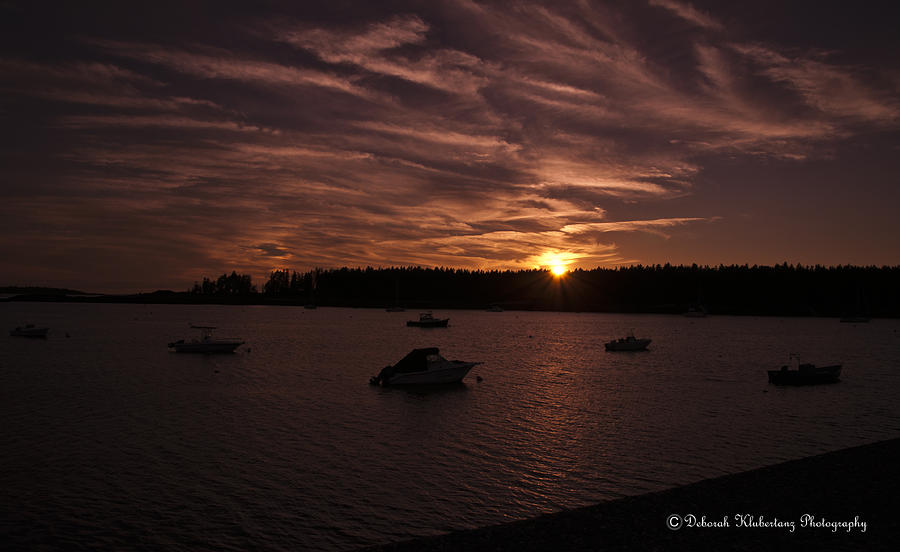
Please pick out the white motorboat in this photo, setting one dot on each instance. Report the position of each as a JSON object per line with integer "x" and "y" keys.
{"x": 29, "y": 330}
{"x": 206, "y": 344}
{"x": 423, "y": 367}
{"x": 628, "y": 343}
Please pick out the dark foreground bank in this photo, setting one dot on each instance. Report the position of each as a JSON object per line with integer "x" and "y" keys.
{"x": 844, "y": 500}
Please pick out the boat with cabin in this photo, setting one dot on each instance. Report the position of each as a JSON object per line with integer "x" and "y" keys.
{"x": 805, "y": 374}
{"x": 628, "y": 343}
{"x": 427, "y": 320}
{"x": 423, "y": 367}
{"x": 206, "y": 344}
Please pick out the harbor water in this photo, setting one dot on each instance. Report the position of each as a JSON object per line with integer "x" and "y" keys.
{"x": 111, "y": 441}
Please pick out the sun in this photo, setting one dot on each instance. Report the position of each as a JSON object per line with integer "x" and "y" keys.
{"x": 556, "y": 262}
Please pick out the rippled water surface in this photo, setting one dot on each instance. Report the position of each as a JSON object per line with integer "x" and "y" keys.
{"x": 109, "y": 440}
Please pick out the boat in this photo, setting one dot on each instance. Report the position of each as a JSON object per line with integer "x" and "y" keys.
{"x": 495, "y": 308}
{"x": 855, "y": 319}
{"x": 29, "y": 330}
{"x": 395, "y": 309}
{"x": 206, "y": 344}
{"x": 696, "y": 312}
{"x": 423, "y": 367}
{"x": 806, "y": 374}
{"x": 628, "y": 343}
{"x": 426, "y": 320}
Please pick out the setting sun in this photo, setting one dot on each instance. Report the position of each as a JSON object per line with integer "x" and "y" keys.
{"x": 556, "y": 262}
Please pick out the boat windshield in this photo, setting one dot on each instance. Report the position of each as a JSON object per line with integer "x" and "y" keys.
{"x": 416, "y": 361}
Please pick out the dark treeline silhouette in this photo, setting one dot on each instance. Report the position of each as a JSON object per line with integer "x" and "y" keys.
{"x": 785, "y": 290}
{"x": 288, "y": 283}
{"x": 233, "y": 284}
{"x": 792, "y": 290}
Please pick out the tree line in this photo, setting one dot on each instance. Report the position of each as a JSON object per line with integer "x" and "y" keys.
{"x": 784, "y": 289}
{"x": 282, "y": 282}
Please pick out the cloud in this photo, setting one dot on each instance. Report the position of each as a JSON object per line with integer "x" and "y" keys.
{"x": 374, "y": 49}
{"x": 214, "y": 63}
{"x": 438, "y": 136}
{"x": 652, "y": 226}
{"x": 831, "y": 89}
{"x": 84, "y": 121}
{"x": 689, "y": 13}
{"x": 340, "y": 46}
{"x": 272, "y": 250}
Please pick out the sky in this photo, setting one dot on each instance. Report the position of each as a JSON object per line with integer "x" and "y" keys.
{"x": 146, "y": 146}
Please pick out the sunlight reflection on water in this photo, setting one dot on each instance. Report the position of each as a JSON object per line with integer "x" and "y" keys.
{"x": 110, "y": 439}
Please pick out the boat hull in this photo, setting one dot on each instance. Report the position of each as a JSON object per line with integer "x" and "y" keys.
{"x": 442, "y": 323}
{"x": 636, "y": 345}
{"x": 806, "y": 376}
{"x": 451, "y": 372}
{"x": 29, "y": 332}
{"x": 206, "y": 348}
{"x": 854, "y": 320}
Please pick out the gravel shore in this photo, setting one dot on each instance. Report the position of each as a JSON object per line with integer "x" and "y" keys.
{"x": 843, "y": 500}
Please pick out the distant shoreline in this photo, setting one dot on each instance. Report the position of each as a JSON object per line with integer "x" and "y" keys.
{"x": 258, "y": 299}
{"x": 847, "y": 487}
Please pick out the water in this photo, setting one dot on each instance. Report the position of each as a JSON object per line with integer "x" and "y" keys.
{"x": 111, "y": 441}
